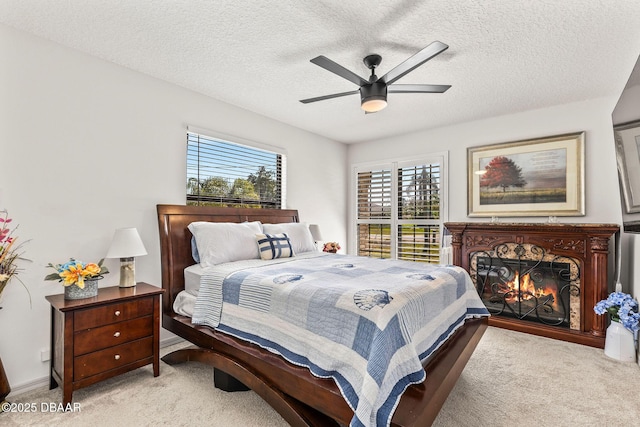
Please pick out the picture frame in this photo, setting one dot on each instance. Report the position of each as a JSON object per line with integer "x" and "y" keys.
{"x": 627, "y": 140}
{"x": 534, "y": 177}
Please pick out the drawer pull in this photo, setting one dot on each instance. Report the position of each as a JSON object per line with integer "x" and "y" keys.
{"x": 117, "y": 357}
{"x": 117, "y": 313}
{"x": 117, "y": 334}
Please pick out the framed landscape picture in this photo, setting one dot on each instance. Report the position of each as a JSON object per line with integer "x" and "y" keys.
{"x": 536, "y": 177}
{"x": 628, "y": 158}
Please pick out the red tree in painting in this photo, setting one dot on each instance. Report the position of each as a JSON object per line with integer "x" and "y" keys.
{"x": 502, "y": 172}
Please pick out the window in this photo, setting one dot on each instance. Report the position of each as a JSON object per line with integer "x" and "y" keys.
{"x": 223, "y": 173}
{"x": 399, "y": 210}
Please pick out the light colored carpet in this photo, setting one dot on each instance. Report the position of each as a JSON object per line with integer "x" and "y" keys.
{"x": 511, "y": 379}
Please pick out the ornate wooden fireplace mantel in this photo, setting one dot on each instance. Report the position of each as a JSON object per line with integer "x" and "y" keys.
{"x": 586, "y": 243}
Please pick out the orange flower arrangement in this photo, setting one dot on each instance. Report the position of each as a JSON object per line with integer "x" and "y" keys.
{"x": 76, "y": 272}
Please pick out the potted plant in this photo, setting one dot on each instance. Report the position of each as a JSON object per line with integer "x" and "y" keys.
{"x": 79, "y": 279}
{"x": 625, "y": 320}
{"x": 10, "y": 253}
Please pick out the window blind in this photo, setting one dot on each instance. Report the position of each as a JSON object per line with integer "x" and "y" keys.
{"x": 374, "y": 213}
{"x": 399, "y": 211}
{"x": 223, "y": 173}
{"x": 374, "y": 194}
{"x": 419, "y": 192}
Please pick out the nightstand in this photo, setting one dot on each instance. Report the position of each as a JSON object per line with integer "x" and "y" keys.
{"x": 96, "y": 338}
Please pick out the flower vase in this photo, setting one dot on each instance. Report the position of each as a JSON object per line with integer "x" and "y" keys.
{"x": 3, "y": 284}
{"x": 75, "y": 292}
{"x": 619, "y": 343}
{"x": 5, "y": 388}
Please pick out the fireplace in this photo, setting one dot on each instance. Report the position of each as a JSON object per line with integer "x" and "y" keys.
{"x": 542, "y": 279}
{"x": 528, "y": 289}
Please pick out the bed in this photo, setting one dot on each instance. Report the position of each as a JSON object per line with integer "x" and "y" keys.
{"x": 300, "y": 397}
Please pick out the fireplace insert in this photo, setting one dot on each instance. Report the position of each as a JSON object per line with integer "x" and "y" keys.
{"x": 524, "y": 283}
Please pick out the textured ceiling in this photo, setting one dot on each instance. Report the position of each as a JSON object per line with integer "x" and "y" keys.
{"x": 504, "y": 56}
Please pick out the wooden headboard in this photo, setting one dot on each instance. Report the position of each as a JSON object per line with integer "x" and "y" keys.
{"x": 175, "y": 238}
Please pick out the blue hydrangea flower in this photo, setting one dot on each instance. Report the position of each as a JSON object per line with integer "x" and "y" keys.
{"x": 622, "y": 308}
{"x": 628, "y": 317}
{"x": 66, "y": 265}
{"x": 601, "y": 307}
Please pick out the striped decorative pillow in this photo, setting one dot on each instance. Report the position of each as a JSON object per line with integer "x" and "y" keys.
{"x": 272, "y": 246}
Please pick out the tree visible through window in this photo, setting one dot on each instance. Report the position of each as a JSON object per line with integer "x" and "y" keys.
{"x": 222, "y": 173}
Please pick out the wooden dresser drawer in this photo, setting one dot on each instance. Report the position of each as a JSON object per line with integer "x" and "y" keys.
{"x": 111, "y": 358}
{"x": 95, "y": 339}
{"x": 111, "y": 313}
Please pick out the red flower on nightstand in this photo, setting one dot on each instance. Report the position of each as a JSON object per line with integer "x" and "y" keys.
{"x": 331, "y": 247}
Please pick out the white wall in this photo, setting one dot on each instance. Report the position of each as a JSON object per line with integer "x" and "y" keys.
{"x": 601, "y": 179}
{"x": 88, "y": 146}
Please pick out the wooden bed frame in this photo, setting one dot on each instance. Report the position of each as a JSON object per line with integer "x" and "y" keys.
{"x": 299, "y": 397}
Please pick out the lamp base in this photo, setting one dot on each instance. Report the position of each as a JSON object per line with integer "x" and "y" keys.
{"x": 127, "y": 272}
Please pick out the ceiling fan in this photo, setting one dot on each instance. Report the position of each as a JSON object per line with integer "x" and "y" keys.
{"x": 373, "y": 92}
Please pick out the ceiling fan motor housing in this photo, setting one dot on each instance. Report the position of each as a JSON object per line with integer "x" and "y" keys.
{"x": 373, "y": 91}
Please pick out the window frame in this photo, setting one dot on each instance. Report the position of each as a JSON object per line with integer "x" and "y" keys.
{"x": 235, "y": 140}
{"x": 394, "y": 166}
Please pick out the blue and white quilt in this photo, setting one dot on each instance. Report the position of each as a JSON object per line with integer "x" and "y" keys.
{"x": 367, "y": 323}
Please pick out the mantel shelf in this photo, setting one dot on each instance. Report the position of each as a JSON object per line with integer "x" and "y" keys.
{"x": 569, "y": 227}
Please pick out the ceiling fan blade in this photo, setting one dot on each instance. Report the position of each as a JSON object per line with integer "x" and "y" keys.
{"x": 335, "y": 95}
{"x": 415, "y": 61}
{"x": 417, "y": 88}
{"x": 335, "y": 68}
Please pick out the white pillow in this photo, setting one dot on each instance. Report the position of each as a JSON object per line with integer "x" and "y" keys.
{"x": 219, "y": 242}
{"x": 298, "y": 233}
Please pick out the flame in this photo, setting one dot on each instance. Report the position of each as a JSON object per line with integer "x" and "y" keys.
{"x": 524, "y": 289}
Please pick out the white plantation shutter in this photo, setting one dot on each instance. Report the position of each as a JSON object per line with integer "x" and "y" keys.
{"x": 399, "y": 210}
{"x": 419, "y": 189}
{"x": 419, "y": 212}
{"x": 375, "y": 203}
{"x": 374, "y": 194}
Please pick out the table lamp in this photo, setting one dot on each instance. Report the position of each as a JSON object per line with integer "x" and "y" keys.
{"x": 126, "y": 245}
{"x": 315, "y": 233}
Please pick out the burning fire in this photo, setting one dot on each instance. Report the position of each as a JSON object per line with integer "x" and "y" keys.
{"x": 524, "y": 289}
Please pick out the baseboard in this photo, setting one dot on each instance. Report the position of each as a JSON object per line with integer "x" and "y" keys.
{"x": 171, "y": 341}
{"x": 43, "y": 382}
{"x": 28, "y": 386}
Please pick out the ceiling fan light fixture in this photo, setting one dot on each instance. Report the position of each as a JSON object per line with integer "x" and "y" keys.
{"x": 374, "y": 104}
{"x": 373, "y": 97}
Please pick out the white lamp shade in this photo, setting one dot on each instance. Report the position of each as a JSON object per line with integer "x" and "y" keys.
{"x": 315, "y": 232}
{"x": 126, "y": 243}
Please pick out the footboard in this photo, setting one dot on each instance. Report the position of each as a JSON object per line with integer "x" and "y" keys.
{"x": 305, "y": 400}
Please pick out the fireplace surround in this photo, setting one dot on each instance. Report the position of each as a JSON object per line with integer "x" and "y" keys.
{"x": 576, "y": 256}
